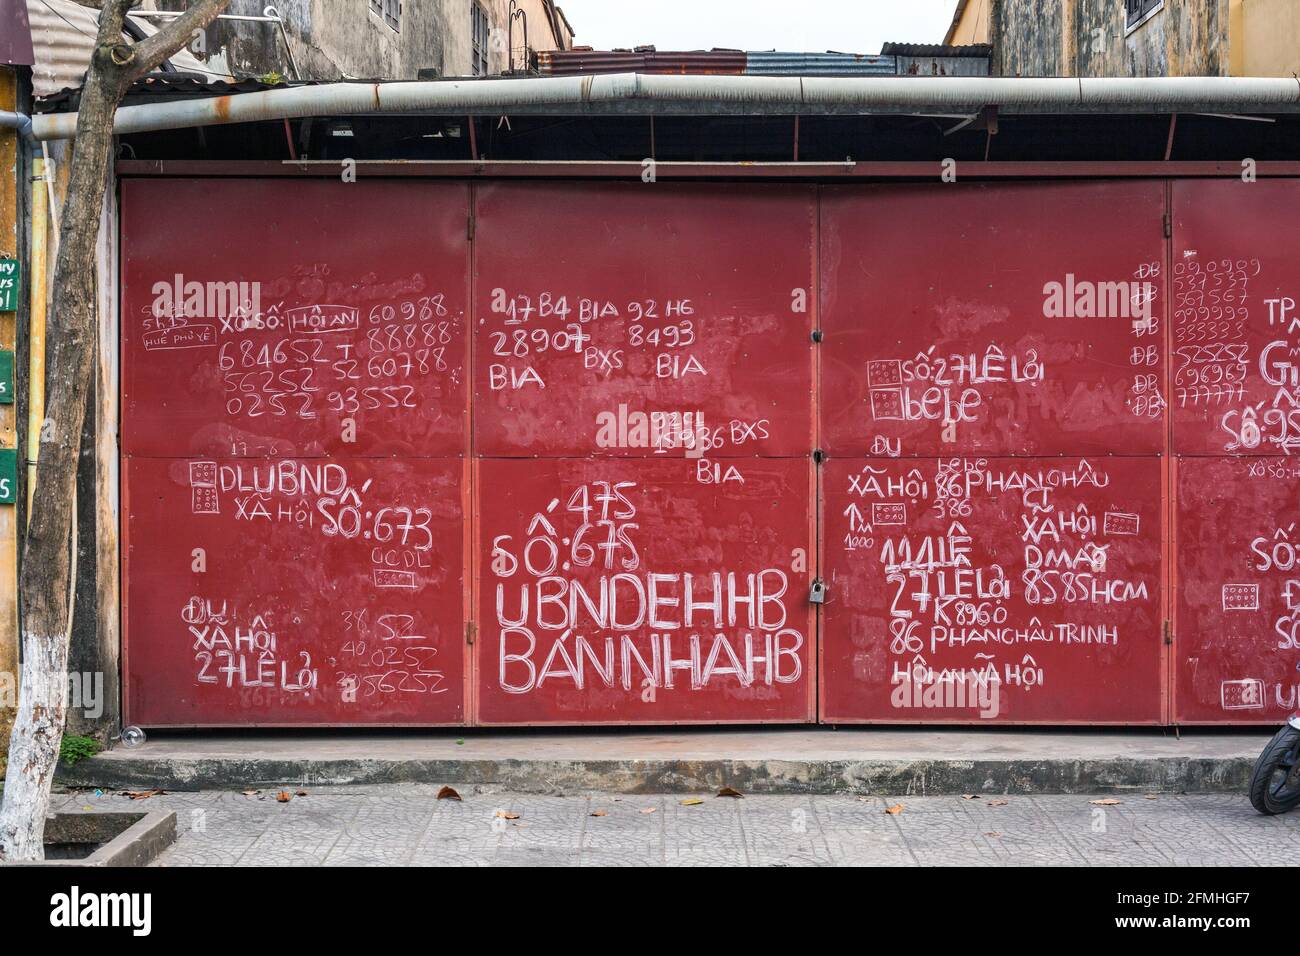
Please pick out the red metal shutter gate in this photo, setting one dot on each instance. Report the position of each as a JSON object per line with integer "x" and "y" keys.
{"x": 1235, "y": 397}
{"x": 993, "y": 508}
{"x": 425, "y": 453}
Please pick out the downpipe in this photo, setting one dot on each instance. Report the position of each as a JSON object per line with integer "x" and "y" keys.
{"x": 19, "y": 121}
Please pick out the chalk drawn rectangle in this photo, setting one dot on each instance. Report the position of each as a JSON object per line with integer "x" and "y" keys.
{"x": 323, "y": 319}
{"x": 180, "y": 337}
{"x": 1120, "y": 523}
{"x": 884, "y": 373}
{"x": 1245, "y": 694}
{"x": 388, "y": 578}
{"x": 1241, "y": 597}
{"x": 203, "y": 474}
{"x": 888, "y": 513}
{"x": 886, "y": 404}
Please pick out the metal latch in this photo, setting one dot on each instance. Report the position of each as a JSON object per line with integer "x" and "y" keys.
{"x": 818, "y": 593}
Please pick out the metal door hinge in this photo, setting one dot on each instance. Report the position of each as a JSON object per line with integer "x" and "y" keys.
{"x": 469, "y": 227}
{"x": 471, "y": 629}
{"x": 1169, "y": 226}
{"x": 1168, "y": 632}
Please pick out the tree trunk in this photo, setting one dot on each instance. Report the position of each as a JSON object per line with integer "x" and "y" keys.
{"x": 44, "y": 584}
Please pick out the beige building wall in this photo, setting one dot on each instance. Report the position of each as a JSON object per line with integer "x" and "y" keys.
{"x": 1265, "y": 37}
{"x": 349, "y": 39}
{"x": 970, "y": 23}
{"x": 1092, "y": 37}
{"x": 541, "y": 35}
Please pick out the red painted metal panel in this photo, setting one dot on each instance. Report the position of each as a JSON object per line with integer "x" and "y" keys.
{"x": 945, "y": 333}
{"x": 1237, "y": 590}
{"x": 325, "y": 592}
{"x": 1235, "y": 385}
{"x": 625, "y": 591}
{"x": 258, "y": 317}
{"x": 604, "y": 308}
{"x": 1045, "y": 572}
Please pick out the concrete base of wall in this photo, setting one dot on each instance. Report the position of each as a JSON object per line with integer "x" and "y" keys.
{"x": 822, "y": 760}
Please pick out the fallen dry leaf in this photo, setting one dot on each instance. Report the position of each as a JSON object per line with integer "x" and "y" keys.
{"x": 649, "y": 809}
{"x": 300, "y": 793}
{"x": 1108, "y": 802}
{"x": 251, "y": 793}
{"x": 993, "y": 833}
{"x": 507, "y": 815}
{"x": 142, "y": 794}
{"x": 730, "y": 792}
{"x": 448, "y": 793}
{"x": 691, "y": 802}
{"x": 896, "y": 809}
{"x": 997, "y": 803}
{"x": 284, "y": 796}
{"x": 970, "y": 796}
{"x": 1152, "y": 796}
{"x": 599, "y": 813}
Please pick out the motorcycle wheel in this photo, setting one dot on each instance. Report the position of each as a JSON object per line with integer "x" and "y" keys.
{"x": 1275, "y": 782}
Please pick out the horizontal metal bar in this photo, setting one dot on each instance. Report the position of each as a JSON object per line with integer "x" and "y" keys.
{"x": 599, "y": 169}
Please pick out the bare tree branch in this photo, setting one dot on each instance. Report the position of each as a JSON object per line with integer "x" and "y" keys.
{"x": 151, "y": 51}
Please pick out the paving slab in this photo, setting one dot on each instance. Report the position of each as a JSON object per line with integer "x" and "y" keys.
{"x": 758, "y": 760}
{"x": 406, "y": 825}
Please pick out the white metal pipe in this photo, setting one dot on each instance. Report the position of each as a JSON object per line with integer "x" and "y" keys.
{"x": 652, "y": 93}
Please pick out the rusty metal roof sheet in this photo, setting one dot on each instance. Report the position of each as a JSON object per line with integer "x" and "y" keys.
{"x": 562, "y": 62}
{"x": 15, "y": 34}
{"x": 63, "y": 34}
{"x": 170, "y": 85}
{"x": 736, "y": 62}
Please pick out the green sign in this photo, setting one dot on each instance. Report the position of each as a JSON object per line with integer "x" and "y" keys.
{"x": 6, "y": 377}
{"x": 10, "y": 276}
{"x": 8, "y": 476}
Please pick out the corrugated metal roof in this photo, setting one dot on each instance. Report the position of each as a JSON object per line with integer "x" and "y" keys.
{"x": 937, "y": 49}
{"x": 564, "y": 62}
{"x": 173, "y": 85}
{"x": 818, "y": 64}
{"x": 15, "y": 34}
{"x": 63, "y": 34}
{"x": 753, "y": 62}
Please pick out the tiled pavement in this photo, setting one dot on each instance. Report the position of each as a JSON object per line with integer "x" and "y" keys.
{"x": 405, "y": 825}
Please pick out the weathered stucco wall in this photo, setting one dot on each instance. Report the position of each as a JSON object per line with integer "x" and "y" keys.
{"x": 1091, "y": 38}
{"x": 1265, "y": 37}
{"x": 333, "y": 39}
{"x": 1026, "y": 37}
{"x": 460, "y": 35}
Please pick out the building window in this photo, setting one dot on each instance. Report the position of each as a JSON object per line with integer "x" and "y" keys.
{"x": 390, "y": 11}
{"x": 479, "y": 35}
{"x": 1139, "y": 10}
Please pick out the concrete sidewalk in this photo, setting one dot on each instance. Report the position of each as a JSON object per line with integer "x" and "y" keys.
{"x": 406, "y": 825}
{"x": 919, "y": 761}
